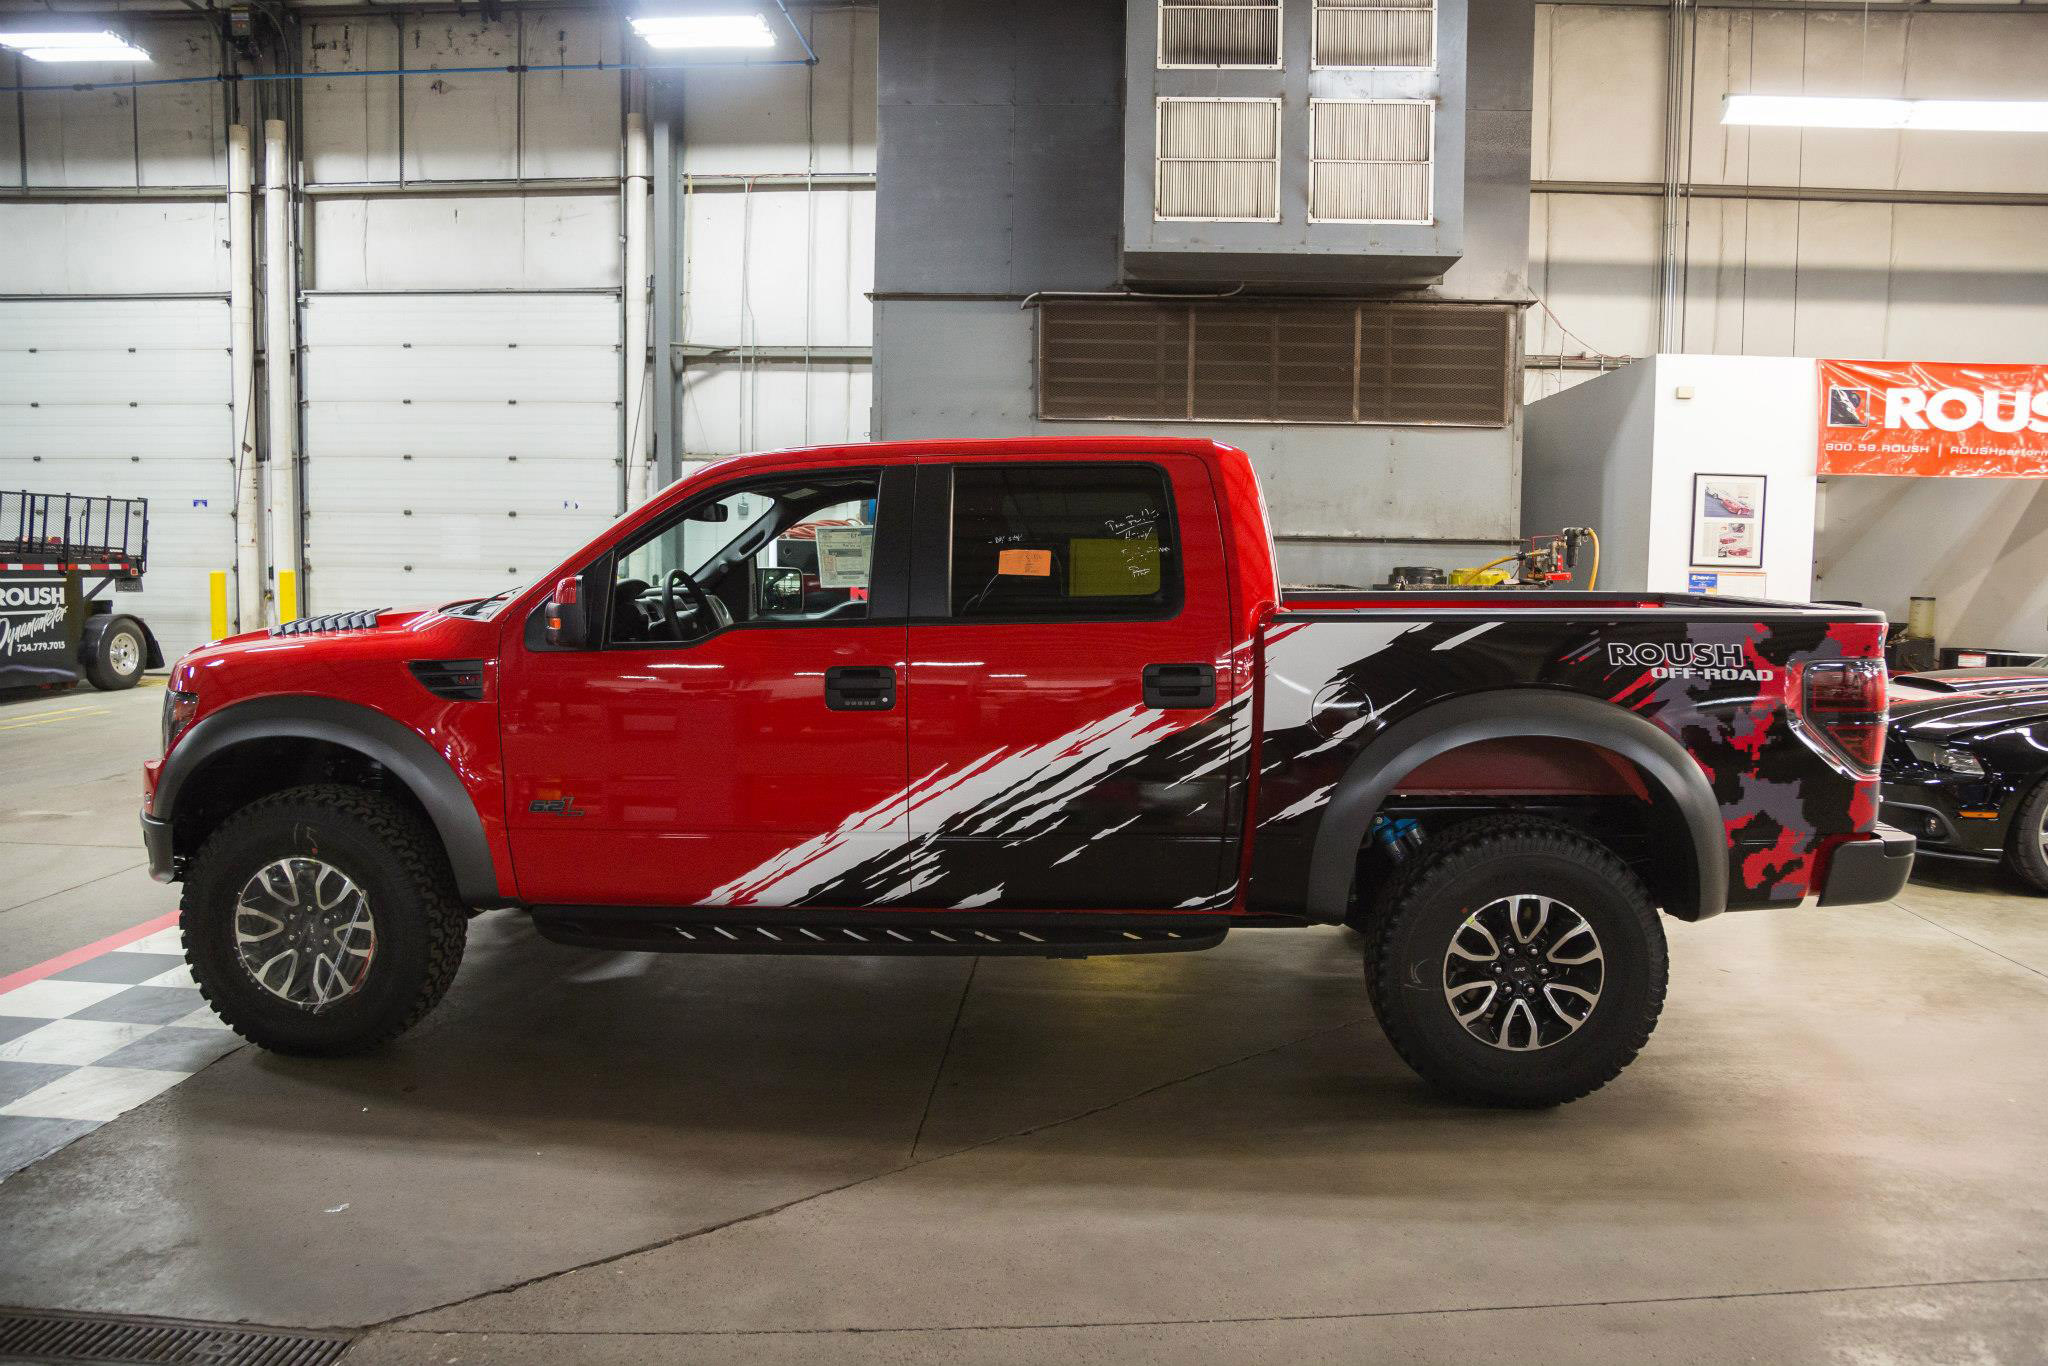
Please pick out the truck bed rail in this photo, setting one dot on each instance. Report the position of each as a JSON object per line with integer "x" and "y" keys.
{"x": 72, "y": 530}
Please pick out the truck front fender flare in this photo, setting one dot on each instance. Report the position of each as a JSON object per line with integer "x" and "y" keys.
{"x": 372, "y": 734}
{"x": 1518, "y": 713}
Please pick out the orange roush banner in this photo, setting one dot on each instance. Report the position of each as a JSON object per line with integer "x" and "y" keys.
{"x": 1926, "y": 417}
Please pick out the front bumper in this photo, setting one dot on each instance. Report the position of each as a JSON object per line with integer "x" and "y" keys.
{"x": 156, "y": 842}
{"x": 1955, "y": 815}
{"x": 1868, "y": 870}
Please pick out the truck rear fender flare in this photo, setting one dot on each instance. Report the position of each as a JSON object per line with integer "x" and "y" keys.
{"x": 397, "y": 748}
{"x": 94, "y": 632}
{"x": 1671, "y": 772}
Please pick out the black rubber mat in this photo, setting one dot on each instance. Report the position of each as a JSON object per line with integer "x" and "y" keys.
{"x": 47, "y": 1335}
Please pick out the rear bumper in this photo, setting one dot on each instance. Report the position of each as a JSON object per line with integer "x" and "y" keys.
{"x": 1868, "y": 870}
{"x": 156, "y": 842}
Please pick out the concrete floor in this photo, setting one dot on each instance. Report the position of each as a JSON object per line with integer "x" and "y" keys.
{"x": 1831, "y": 1151}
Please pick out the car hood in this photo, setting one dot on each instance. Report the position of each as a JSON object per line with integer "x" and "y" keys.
{"x": 1950, "y": 717}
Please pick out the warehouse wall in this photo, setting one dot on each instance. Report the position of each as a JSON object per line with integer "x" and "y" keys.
{"x": 1002, "y": 166}
{"x": 1957, "y": 281}
{"x": 460, "y": 273}
{"x": 775, "y": 210}
{"x": 1954, "y": 281}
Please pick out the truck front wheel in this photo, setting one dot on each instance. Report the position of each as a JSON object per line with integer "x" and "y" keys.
{"x": 1518, "y": 963}
{"x": 322, "y": 920}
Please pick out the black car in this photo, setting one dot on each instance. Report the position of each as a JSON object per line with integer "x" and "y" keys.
{"x": 1965, "y": 762}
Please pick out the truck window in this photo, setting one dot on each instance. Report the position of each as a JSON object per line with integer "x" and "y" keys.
{"x": 786, "y": 550}
{"x": 1069, "y": 540}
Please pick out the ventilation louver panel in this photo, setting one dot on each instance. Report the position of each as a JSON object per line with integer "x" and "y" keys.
{"x": 1219, "y": 159}
{"x": 1371, "y": 161}
{"x": 1397, "y": 33}
{"x": 1219, "y": 33}
{"x": 1295, "y": 361}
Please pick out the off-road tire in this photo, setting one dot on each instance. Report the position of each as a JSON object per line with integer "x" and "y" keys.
{"x": 387, "y": 851}
{"x": 2023, "y": 852}
{"x": 1471, "y": 866}
{"x": 102, "y": 673}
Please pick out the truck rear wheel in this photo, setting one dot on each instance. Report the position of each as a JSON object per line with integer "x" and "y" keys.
{"x": 322, "y": 920}
{"x": 1517, "y": 963}
{"x": 122, "y": 654}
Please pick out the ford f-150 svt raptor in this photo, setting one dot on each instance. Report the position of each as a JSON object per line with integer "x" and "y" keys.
{"x": 1041, "y": 696}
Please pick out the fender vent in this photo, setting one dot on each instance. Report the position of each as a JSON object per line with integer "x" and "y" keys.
{"x": 458, "y": 680}
{"x": 333, "y": 621}
{"x": 42, "y": 1336}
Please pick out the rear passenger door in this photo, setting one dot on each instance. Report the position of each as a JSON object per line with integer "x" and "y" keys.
{"x": 1071, "y": 718}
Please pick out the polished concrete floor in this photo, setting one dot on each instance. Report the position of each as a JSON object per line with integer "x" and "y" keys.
{"x": 1833, "y": 1149}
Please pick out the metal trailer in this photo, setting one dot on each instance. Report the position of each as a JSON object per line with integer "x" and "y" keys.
{"x": 60, "y": 553}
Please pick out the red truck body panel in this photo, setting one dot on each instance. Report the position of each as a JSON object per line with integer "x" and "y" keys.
{"x": 1021, "y": 767}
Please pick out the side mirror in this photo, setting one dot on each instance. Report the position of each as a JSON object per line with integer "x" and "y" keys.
{"x": 568, "y": 621}
{"x": 779, "y": 589}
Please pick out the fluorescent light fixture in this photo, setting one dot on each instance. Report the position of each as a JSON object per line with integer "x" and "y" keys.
{"x": 59, "y": 46}
{"x": 704, "y": 30}
{"x": 1845, "y": 111}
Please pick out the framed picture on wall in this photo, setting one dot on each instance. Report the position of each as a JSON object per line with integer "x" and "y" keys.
{"x": 1728, "y": 521}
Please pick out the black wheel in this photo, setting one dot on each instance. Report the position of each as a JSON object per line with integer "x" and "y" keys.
{"x": 2026, "y": 844}
{"x": 1518, "y": 963}
{"x": 122, "y": 655}
{"x": 322, "y": 920}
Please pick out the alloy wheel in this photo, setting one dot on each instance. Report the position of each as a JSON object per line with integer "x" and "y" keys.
{"x": 304, "y": 933}
{"x": 1523, "y": 972}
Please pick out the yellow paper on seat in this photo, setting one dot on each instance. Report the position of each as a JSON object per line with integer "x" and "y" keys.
{"x": 1112, "y": 567}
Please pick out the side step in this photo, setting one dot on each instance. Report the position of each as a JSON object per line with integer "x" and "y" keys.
{"x": 934, "y": 933}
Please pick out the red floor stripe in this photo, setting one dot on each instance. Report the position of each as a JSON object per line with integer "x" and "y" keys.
{"x": 92, "y": 950}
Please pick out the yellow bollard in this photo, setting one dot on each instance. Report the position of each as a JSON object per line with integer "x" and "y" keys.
{"x": 287, "y": 595}
{"x": 218, "y": 591}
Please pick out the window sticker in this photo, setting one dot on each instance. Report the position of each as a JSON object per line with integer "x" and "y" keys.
{"x": 1026, "y": 564}
{"x": 1113, "y": 566}
{"x": 845, "y": 556}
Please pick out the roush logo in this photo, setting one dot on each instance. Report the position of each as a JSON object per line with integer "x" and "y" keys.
{"x": 1688, "y": 659}
{"x": 1928, "y": 418}
{"x": 38, "y": 597}
{"x": 1948, "y": 410}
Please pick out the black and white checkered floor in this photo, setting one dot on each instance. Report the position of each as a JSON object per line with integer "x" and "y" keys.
{"x": 95, "y": 1039}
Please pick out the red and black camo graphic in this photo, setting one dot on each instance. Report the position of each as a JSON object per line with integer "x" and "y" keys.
{"x": 1724, "y": 689}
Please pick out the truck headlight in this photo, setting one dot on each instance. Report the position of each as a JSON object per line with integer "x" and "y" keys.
{"x": 1960, "y": 762}
{"x": 179, "y": 709}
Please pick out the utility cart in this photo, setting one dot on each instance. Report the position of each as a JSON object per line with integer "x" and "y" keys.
{"x": 60, "y": 555}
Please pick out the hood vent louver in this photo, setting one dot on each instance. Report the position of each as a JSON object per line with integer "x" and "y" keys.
{"x": 458, "y": 680}
{"x": 333, "y": 621}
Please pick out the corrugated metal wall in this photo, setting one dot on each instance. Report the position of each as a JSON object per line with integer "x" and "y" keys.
{"x": 460, "y": 310}
{"x": 1956, "y": 281}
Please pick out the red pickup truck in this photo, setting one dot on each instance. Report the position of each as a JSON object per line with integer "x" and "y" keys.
{"x": 1042, "y": 697}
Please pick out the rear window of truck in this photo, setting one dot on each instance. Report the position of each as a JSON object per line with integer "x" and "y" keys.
{"x": 1068, "y": 540}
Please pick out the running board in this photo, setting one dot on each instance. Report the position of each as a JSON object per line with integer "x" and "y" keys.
{"x": 932, "y": 934}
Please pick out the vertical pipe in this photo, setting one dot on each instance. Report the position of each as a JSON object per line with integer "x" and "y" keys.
{"x": 280, "y": 390}
{"x": 661, "y": 376}
{"x": 242, "y": 365}
{"x": 639, "y": 417}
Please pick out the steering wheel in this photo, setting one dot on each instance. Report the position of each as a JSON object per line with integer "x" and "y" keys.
{"x": 700, "y": 601}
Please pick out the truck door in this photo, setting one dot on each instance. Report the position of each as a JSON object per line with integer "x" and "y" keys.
{"x": 736, "y": 738}
{"x": 1072, "y": 727}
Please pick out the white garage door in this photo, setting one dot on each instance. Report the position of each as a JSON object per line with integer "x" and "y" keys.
{"x": 130, "y": 397}
{"x": 455, "y": 444}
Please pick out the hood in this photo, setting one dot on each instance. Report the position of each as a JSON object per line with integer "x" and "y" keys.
{"x": 2017, "y": 678}
{"x": 288, "y": 650}
{"x": 1954, "y": 714}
